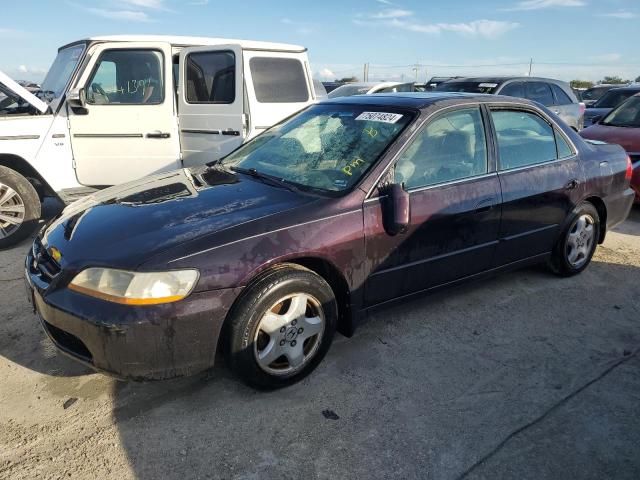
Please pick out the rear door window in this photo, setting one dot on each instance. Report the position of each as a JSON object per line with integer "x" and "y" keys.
{"x": 514, "y": 89}
{"x": 561, "y": 97}
{"x": 524, "y": 139}
{"x": 279, "y": 80}
{"x": 211, "y": 77}
{"x": 539, "y": 92}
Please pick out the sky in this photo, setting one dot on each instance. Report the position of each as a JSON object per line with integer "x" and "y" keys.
{"x": 400, "y": 39}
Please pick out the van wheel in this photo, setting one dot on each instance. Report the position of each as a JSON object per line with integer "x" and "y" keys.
{"x": 577, "y": 244}
{"x": 281, "y": 327}
{"x": 20, "y": 208}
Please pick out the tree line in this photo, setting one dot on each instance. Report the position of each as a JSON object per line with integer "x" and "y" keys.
{"x": 607, "y": 80}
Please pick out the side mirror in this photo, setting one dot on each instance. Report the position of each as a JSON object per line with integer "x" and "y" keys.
{"x": 77, "y": 98}
{"x": 396, "y": 208}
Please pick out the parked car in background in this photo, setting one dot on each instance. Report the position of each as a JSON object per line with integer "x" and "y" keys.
{"x": 591, "y": 95}
{"x": 607, "y": 102}
{"x": 622, "y": 126}
{"x": 553, "y": 94}
{"x": 116, "y": 108}
{"x": 349, "y": 206}
{"x": 431, "y": 84}
{"x": 367, "y": 88}
{"x": 331, "y": 86}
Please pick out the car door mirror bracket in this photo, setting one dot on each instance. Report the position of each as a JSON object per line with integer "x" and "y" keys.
{"x": 396, "y": 209}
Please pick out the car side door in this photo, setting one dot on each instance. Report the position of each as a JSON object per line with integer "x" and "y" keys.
{"x": 447, "y": 169}
{"x": 541, "y": 181}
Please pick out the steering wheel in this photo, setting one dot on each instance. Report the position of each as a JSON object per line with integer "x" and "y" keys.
{"x": 97, "y": 88}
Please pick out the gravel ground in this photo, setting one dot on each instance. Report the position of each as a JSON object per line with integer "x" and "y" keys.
{"x": 521, "y": 376}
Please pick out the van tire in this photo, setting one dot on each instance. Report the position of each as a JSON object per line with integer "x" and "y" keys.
{"x": 24, "y": 199}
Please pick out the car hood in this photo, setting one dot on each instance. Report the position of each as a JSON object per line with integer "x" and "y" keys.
{"x": 628, "y": 138}
{"x": 8, "y": 85}
{"x": 126, "y": 225}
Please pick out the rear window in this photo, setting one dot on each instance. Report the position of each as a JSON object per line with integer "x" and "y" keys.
{"x": 278, "y": 80}
{"x": 468, "y": 87}
{"x": 613, "y": 98}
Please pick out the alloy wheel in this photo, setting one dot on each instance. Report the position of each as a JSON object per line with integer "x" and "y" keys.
{"x": 580, "y": 240}
{"x": 12, "y": 211}
{"x": 289, "y": 334}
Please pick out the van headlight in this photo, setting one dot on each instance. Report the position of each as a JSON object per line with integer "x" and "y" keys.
{"x": 135, "y": 288}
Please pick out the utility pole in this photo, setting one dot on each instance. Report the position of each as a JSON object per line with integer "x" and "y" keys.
{"x": 366, "y": 72}
{"x": 530, "y": 66}
{"x": 416, "y": 69}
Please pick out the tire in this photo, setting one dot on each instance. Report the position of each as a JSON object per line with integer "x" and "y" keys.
{"x": 266, "y": 342}
{"x": 20, "y": 208}
{"x": 577, "y": 244}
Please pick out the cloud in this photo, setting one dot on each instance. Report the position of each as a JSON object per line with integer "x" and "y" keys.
{"x": 392, "y": 13}
{"x": 148, "y": 4}
{"x": 476, "y": 28}
{"x": 625, "y": 15}
{"x": 126, "y": 15}
{"x": 201, "y": 3}
{"x": 326, "y": 73}
{"x": 385, "y": 2}
{"x": 541, "y": 4}
{"x": 10, "y": 33}
{"x": 25, "y": 69}
{"x": 607, "y": 57}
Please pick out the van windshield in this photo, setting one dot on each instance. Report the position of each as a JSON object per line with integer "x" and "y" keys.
{"x": 59, "y": 75}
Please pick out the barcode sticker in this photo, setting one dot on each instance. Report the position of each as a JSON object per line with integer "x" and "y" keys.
{"x": 379, "y": 117}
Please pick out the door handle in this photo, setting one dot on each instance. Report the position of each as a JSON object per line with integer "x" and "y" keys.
{"x": 484, "y": 205}
{"x": 233, "y": 133}
{"x": 572, "y": 184}
{"x": 158, "y": 135}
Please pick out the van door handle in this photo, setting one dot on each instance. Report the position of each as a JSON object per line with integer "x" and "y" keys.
{"x": 158, "y": 135}
{"x": 484, "y": 205}
{"x": 233, "y": 133}
{"x": 572, "y": 184}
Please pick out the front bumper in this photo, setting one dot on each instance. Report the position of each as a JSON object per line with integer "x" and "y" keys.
{"x": 132, "y": 342}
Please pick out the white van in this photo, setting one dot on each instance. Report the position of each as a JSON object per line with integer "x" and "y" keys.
{"x": 113, "y": 109}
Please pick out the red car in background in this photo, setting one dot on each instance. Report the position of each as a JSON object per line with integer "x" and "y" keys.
{"x": 621, "y": 126}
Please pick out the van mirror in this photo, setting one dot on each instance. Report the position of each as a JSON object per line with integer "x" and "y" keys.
{"x": 396, "y": 208}
{"x": 77, "y": 98}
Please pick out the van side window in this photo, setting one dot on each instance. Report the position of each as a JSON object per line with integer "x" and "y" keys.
{"x": 451, "y": 147}
{"x": 127, "y": 77}
{"x": 278, "y": 80}
{"x": 210, "y": 77}
{"x": 524, "y": 139}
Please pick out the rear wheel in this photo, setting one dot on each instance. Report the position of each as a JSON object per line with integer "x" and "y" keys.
{"x": 282, "y": 327}
{"x": 577, "y": 244}
{"x": 20, "y": 208}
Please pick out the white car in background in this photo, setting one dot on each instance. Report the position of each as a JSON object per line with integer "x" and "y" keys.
{"x": 117, "y": 108}
{"x": 367, "y": 88}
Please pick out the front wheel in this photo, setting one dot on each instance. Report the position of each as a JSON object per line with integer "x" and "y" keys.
{"x": 281, "y": 327}
{"x": 20, "y": 208}
{"x": 577, "y": 244}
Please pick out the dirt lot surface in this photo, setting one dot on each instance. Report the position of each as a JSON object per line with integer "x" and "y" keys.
{"x": 520, "y": 376}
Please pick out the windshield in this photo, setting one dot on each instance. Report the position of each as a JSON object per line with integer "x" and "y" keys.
{"x": 325, "y": 147}
{"x": 594, "y": 93}
{"x": 613, "y": 98}
{"x": 468, "y": 87}
{"x": 348, "y": 90}
{"x": 626, "y": 115}
{"x": 60, "y": 73}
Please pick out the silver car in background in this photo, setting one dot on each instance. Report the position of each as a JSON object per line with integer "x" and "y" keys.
{"x": 368, "y": 88}
{"x": 556, "y": 95}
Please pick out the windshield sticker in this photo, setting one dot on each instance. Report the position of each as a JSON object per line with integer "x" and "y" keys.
{"x": 348, "y": 170}
{"x": 379, "y": 117}
{"x": 488, "y": 85}
{"x": 372, "y": 132}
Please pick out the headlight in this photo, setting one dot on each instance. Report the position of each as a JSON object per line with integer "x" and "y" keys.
{"x": 135, "y": 288}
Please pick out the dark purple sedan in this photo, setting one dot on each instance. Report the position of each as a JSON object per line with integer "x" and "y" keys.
{"x": 349, "y": 206}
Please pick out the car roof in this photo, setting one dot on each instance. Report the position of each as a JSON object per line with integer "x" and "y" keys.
{"x": 177, "y": 40}
{"x": 370, "y": 84}
{"x": 421, "y": 100}
{"x": 626, "y": 88}
{"x": 502, "y": 79}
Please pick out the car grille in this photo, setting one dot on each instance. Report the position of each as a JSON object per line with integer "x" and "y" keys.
{"x": 68, "y": 342}
{"x": 43, "y": 264}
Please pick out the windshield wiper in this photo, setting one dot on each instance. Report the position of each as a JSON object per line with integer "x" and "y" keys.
{"x": 270, "y": 179}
